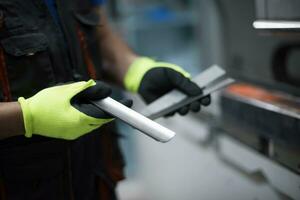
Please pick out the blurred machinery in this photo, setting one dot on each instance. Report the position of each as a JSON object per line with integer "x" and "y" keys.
{"x": 259, "y": 44}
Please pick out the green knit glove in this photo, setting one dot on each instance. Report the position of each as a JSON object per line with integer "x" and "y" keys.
{"x": 141, "y": 66}
{"x": 153, "y": 79}
{"x": 50, "y": 113}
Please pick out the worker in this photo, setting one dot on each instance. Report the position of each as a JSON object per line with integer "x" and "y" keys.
{"x": 56, "y": 56}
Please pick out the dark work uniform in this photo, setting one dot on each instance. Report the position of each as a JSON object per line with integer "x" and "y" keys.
{"x": 41, "y": 47}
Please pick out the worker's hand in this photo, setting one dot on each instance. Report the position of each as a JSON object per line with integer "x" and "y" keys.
{"x": 64, "y": 111}
{"x": 153, "y": 79}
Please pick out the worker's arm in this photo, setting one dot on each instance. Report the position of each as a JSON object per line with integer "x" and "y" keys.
{"x": 11, "y": 120}
{"x": 149, "y": 78}
{"x": 116, "y": 55}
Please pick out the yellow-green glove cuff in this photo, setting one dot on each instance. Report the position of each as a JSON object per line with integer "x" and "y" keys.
{"x": 27, "y": 118}
{"x": 140, "y": 66}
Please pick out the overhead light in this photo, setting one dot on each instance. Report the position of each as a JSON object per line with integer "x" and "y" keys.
{"x": 267, "y": 24}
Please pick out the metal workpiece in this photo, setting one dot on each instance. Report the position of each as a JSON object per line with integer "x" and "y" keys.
{"x": 135, "y": 119}
{"x": 212, "y": 79}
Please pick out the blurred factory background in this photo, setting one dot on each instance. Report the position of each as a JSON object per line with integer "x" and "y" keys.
{"x": 246, "y": 145}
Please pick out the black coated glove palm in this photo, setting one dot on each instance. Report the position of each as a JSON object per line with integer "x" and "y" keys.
{"x": 160, "y": 80}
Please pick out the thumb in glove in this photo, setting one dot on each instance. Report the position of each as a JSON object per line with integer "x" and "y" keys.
{"x": 101, "y": 90}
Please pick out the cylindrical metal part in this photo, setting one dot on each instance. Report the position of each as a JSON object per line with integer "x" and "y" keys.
{"x": 135, "y": 119}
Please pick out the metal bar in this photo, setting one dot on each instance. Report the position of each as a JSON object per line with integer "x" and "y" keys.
{"x": 187, "y": 101}
{"x": 202, "y": 80}
{"x": 135, "y": 119}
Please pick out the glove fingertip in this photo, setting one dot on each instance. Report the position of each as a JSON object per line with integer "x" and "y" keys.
{"x": 171, "y": 114}
{"x": 127, "y": 102}
{"x": 184, "y": 110}
{"x": 195, "y": 106}
{"x": 205, "y": 101}
{"x": 183, "y": 83}
{"x": 96, "y": 92}
{"x": 193, "y": 89}
{"x": 101, "y": 90}
{"x": 105, "y": 93}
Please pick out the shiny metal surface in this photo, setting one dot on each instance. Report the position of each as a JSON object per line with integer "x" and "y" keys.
{"x": 176, "y": 106}
{"x": 135, "y": 119}
{"x": 212, "y": 79}
{"x": 267, "y": 106}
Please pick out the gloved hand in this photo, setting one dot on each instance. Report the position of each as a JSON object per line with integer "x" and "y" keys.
{"x": 153, "y": 79}
{"x": 63, "y": 111}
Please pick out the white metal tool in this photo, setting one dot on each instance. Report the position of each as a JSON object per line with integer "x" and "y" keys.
{"x": 135, "y": 119}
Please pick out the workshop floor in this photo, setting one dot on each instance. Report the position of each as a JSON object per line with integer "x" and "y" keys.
{"x": 183, "y": 169}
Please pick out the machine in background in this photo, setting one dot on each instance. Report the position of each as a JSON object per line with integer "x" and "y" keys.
{"x": 259, "y": 44}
